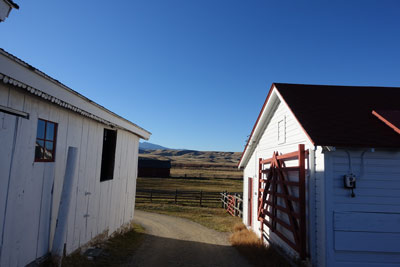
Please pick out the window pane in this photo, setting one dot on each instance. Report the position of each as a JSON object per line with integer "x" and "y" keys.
{"x": 40, "y": 129}
{"x": 39, "y": 149}
{"x": 108, "y": 155}
{"x": 49, "y": 145}
{"x": 50, "y": 131}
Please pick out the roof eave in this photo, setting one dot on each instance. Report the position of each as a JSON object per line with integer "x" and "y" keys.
{"x": 15, "y": 75}
{"x": 255, "y": 131}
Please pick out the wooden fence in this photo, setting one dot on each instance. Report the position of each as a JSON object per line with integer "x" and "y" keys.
{"x": 201, "y": 198}
{"x": 233, "y": 203}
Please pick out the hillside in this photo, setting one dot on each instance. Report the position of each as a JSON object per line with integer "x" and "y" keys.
{"x": 194, "y": 157}
{"x": 148, "y": 145}
{"x": 192, "y": 163}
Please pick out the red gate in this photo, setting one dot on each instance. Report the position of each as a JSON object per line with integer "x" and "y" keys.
{"x": 275, "y": 188}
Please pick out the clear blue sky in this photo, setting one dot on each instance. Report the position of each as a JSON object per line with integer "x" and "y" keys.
{"x": 196, "y": 73}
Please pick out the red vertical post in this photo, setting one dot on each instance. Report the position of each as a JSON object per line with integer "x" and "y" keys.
{"x": 259, "y": 196}
{"x": 250, "y": 202}
{"x": 302, "y": 197}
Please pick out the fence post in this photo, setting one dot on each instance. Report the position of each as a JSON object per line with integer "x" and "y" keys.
{"x": 240, "y": 206}
{"x": 226, "y": 199}
{"x": 151, "y": 195}
{"x": 235, "y": 210}
{"x": 176, "y": 196}
{"x": 302, "y": 198}
{"x": 201, "y": 196}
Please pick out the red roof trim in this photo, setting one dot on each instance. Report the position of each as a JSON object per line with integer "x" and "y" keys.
{"x": 388, "y": 123}
{"x": 261, "y": 112}
{"x": 296, "y": 117}
{"x": 255, "y": 125}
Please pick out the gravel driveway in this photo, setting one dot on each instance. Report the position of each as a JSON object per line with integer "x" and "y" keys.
{"x": 172, "y": 241}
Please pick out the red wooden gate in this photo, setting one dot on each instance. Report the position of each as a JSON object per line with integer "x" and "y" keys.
{"x": 275, "y": 188}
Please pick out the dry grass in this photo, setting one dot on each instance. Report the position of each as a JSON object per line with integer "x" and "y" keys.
{"x": 190, "y": 163}
{"x": 116, "y": 251}
{"x": 250, "y": 246}
{"x": 209, "y": 172}
{"x": 213, "y": 218}
{"x": 217, "y": 185}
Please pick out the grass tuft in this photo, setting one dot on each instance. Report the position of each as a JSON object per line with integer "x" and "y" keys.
{"x": 116, "y": 251}
{"x": 250, "y": 246}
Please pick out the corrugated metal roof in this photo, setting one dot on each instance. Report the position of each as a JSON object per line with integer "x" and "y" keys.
{"x": 11, "y": 80}
{"x": 12, "y": 3}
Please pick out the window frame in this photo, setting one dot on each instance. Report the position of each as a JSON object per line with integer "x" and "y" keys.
{"x": 54, "y": 141}
{"x": 105, "y": 166}
{"x": 282, "y": 130}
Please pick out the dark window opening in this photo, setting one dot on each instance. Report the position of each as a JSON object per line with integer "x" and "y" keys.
{"x": 108, "y": 155}
{"x": 45, "y": 148}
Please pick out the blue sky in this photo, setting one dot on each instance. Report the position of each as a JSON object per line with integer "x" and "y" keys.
{"x": 196, "y": 73}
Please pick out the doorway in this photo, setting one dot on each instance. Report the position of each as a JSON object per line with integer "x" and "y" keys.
{"x": 250, "y": 203}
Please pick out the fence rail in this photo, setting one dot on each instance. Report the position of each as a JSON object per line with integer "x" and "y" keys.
{"x": 201, "y": 198}
{"x": 232, "y": 202}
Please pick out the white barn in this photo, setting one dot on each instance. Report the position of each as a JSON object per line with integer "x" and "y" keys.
{"x": 340, "y": 205}
{"x": 40, "y": 118}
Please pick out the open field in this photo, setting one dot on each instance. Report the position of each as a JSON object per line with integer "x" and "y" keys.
{"x": 205, "y": 171}
{"x": 196, "y": 184}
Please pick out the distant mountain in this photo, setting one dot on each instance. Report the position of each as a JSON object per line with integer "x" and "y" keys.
{"x": 150, "y": 146}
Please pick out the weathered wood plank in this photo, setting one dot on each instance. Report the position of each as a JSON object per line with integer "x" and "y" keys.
{"x": 80, "y": 204}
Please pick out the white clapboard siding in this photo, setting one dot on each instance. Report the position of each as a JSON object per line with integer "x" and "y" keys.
{"x": 14, "y": 222}
{"x": 30, "y": 191}
{"x": 8, "y": 124}
{"x": 319, "y": 209}
{"x": 365, "y": 228}
{"x": 267, "y": 144}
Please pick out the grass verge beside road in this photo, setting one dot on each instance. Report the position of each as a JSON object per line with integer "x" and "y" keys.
{"x": 116, "y": 250}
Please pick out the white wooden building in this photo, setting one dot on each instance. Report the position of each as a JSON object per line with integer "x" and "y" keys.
{"x": 39, "y": 119}
{"x": 349, "y": 133}
{"x": 5, "y": 8}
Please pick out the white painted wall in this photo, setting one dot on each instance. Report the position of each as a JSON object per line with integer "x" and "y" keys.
{"x": 364, "y": 230}
{"x": 264, "y": 148}
{"x": 345, "y": 231}
{"x": 28, "y": 209}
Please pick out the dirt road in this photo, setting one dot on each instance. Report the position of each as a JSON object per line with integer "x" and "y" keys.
{"x": 172, "y": 241}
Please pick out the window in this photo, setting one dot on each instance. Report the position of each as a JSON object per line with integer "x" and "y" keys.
{"x": 108, "y": 155}
{"x": 45, "y": 149}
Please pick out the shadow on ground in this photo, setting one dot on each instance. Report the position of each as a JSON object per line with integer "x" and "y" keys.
{"x": 161, "y": 251}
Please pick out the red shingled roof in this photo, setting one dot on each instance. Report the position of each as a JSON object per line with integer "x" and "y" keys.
{"x": 342, "y": 115}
